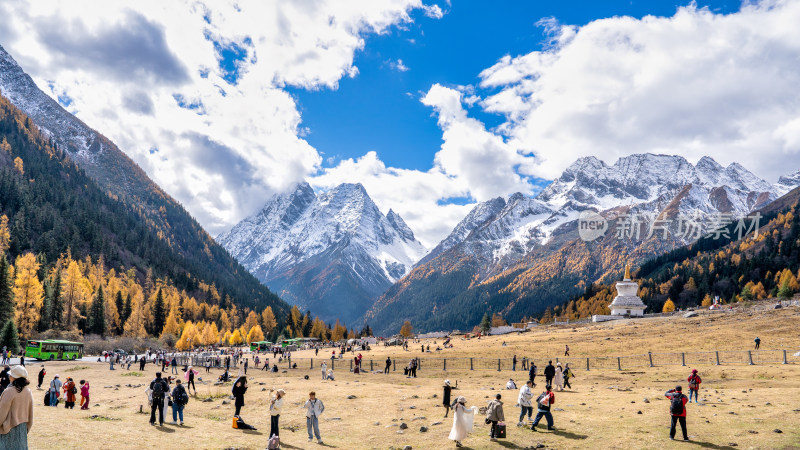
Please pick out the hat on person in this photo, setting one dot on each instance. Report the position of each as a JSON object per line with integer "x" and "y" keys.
{"x": 678, "y": 388}
{"x": 447, "y": 382}
{"x": 694, "y": 370}
{"x": 281, "y": 391}
{"x": 18, "y": 372}
{"x": 461, "y": 400}
{"x": 56, "y": 376}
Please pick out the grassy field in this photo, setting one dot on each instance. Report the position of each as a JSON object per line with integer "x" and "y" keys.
{"x": 741, "y": 406}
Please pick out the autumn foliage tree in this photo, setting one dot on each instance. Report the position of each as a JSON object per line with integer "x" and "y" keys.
{"x": 407, "y": 330}
{"x": 28, "y": 294}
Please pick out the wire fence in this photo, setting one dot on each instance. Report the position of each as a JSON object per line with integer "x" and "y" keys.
{"x": 645, "y": 360}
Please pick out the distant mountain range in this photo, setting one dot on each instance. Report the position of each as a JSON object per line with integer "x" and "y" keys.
{"x": 186, "y": 253}
{"x": 332, "y": 253}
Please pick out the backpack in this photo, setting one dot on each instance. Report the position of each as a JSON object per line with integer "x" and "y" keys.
{"x": 47, "y": 399}
{"x": 676, "y": 405}
{"x": 158, "y": 389}
{"x": 274, "y": 442}
{"x": 74, "y": 390}
{"x": 544, "y": 399}
{"x": 181, "y": 397}
{"x": 694, "y": 382}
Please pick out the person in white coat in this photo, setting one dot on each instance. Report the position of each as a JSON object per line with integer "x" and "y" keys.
{"x": 525, "y": 399}
{"x": 324, "y": 368}
{"x": 558, "y": 380}
{"x": 463, "y": 421}
{"x": 314, "y": 409}
{"x": 275, "y": 405}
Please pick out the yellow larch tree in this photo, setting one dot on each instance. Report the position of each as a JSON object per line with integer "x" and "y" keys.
{"x": 251, "y": 321}
{"x": 669, "y": 306}
{"x": 28, "y": 293}
{"x": 5, "y": 235}
{"x": 268, "y": 322}
{"x": 255, "y": 334}
{"x": 171, "y": 326}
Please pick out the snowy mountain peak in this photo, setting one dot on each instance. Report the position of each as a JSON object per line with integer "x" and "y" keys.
{"x": 400, "y": 225}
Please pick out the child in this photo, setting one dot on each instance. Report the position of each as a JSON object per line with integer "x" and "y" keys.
{"x": 84, "y": 394}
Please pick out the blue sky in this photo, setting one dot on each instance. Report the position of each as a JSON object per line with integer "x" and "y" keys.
{"x": 380, "y": 110}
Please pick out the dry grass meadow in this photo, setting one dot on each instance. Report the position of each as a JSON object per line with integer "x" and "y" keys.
{"x": 742, "y": 405}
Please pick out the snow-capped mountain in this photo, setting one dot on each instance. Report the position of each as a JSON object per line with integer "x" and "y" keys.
{"x": 332, "y": 253}
{"x": 527, "y": 252}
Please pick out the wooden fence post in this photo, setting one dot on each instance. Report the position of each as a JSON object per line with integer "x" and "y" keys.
{"x": 619, "y": 364}
{"x": 333, "y": 364}
{"x": 650, "y": 355}
{"x": 587, "y": 364}
{"x": 498, "y": 364}
{"x": 394, "y": 365}
{"x": 784, "y": 357}
{"x": 371, "y": 368}
{"x": 312, "y": 362}
{"x": 470, "y": 364}
{"x": 750, "y": 357}
{"x": 444, "y": 362}
{"x": 717, "y": 353}
{"x": 683, "y": 358}
{"x": 351, "y": 365}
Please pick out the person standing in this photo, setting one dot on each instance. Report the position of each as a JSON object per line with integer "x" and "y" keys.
{"x": 275, "y": 406}
{"x": 532, "y": 373}
{"x": 414, "y": 368}
{"x": 158, "y": 393}
{"x": 55, "y": 389}
{"x": 324, "y": 369}
{"x": 22, "y": 359}
{"x": 238, "y": 390}
{"x": 677, "y": 411}
{"x": 549, "y": 373}
{"x": 566, "y": 350}
{"x": 245, "y": 365}
{"x": 567, "y": 375}
{"x": 314, "y": 408}
{"x": 42, "y": 373}
{"x": 174, "y": 364}
{"x": 558, "y": 379}
{"x": 189, "y": 377}
{"x": 758, "y": 342}
{"x": 84, "y": 394}
{"x": 694, "y": 386}
{"x": 446, "y": 397}
{"x": 543, "y": 403}
{"x": 494, "y": 414}
{"x": 463, "y": 421}
{"x": 179, "y": 400}
{"x": 388, "y": 365}
{"x": 5, "y": 380}
{"x": 514, "y": 363}
{"x": 16, "y": 411}
{"x": 69, "y": 393}
{"x": 524, "y": 399}
{"x": 142, "y": 362}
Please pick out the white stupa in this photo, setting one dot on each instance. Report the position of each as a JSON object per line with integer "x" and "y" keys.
{"x": 627, "y": 303}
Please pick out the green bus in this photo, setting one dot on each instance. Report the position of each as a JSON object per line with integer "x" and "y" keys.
{"x": 260, "y": 345}
{"x": 50, "y": 349}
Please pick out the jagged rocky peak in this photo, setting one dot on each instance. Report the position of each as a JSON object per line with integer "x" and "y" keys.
{"x": 400, "y": 225}
{"x": 788, "y": 182}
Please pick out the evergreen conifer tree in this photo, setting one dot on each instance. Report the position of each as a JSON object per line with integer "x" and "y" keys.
{"x": 9, "y": 337}
{"x": 486, "y": 324}
{"x": 97, "y": 314}
{"x": 56, "y": 310}
{"x": 6, "y": 293}
{"x": 127, "y": 308}
{"x": 47, "y": 306}
{"x": 159, "y": 315}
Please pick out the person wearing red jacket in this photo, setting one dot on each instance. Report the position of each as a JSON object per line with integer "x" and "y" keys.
{"x": 677, "y": 410}
{"x": 694, "y": 386}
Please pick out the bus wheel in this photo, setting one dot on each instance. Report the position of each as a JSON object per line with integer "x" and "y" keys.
{"x": 73, "y": 357}
{"x": 52, "y": 357}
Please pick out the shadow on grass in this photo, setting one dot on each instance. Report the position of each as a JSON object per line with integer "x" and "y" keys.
{"x": 509, "y": 444}
{"x": 164, "y": 429}
{"x": 285, "y": 445}
{"x": 709, "y": 445}
{"x": 569, "y": 435}
{"x": 255, "y": 432}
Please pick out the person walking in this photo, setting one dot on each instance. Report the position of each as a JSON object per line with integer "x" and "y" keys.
{"x": 524, "y": 399}
{"x": 174, "y": 365}
{"x": 142, "y": 362}
{"x": 42, "y": 373}
{"x": 494, "y": 414}
{"x": 463, "y": 421}
{"x": 158, "y": 392}
{"x": 189, "y": 377}
{"x": 179, "y": 400}
{"x": 238, "y": 390}
{"x": 16, "y": 411}
{"x": 245, "y": 365}
{"x": 55, "y": 390}
{"x": 549, "y": 373}
{"x": 324, "y": 369}
{"x": 446, "y": 397}
{"x": 677, "y": 411}
{"x": 84, "y": 394}
{"x": 543, "y": 403}
{"x": 758, "y": 342}
{"x": 514, "y": 363}
{"x": 388, "y": 365}
{"x": 558, "y": 379}
{"x": 275, "y": 406}
{"x": 566, "y": 350}
{"x": 532, "y": 373}
{"x": 567, "y": 375}
{"x": 694, "y": 386}
{"x": 314, "y": 408}
{"x": 69, "y": 393}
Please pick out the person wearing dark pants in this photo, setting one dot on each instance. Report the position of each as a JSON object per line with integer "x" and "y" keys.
{"x": 238, "y": 390}
{"x": 758, "y": 342}
{"x": 142, "y": 362}
{"x": 532, "y": 373}
{"x": 388, "y": 365}
{"x": 275, "y": 405}
{"x": 494, "y": 414}
{"x": 543, "y": 403}
{"x": 159, "y": 389}
{"x": 549, "y": 373}
{"x": 446, "y": 397}
{"x": 677, "y": 410}
{"x": 514, "y": 363}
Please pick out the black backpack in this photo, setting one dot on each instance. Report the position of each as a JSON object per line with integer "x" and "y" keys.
{"x": 676, "y": 405}
{"x": 181, "y": 397}
{"x": 158, "y": 389}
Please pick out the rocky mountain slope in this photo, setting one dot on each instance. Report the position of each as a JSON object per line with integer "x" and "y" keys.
{"x": 520, "y": 255}
{"x": 332, "y": 253}
{"x": 199, "y": 256}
